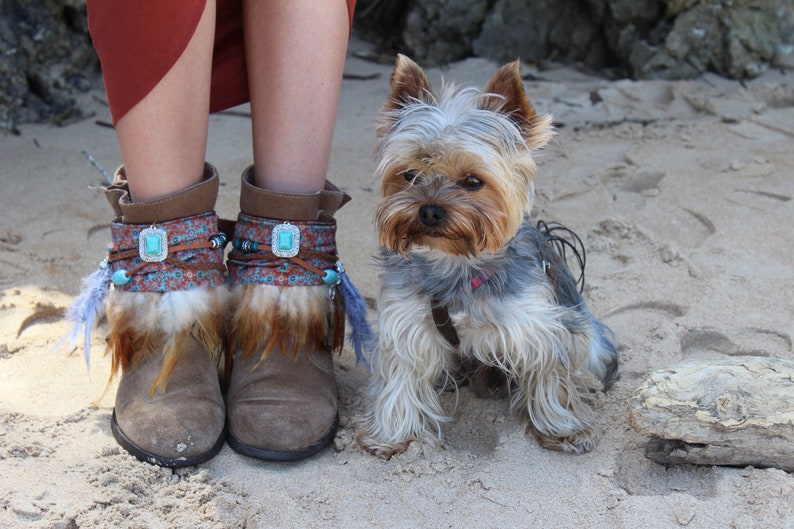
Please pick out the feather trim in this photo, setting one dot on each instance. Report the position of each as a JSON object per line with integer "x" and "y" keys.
{"x": 87, "y": 306}
{"x": 361, "y": 333}
{"x": 143, "y": 325}
{"x": 286, "y": 319}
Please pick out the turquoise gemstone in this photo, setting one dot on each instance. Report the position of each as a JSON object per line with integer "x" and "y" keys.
{"x": 153, "y": 245}
{"x": 331, "y": 277}
{"x": 285, "y": 240}
{"x": 120, "y": 278}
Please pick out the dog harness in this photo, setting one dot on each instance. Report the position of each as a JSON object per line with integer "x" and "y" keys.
{"x": 556, "y": 243}
{"x": 441, "y": 312}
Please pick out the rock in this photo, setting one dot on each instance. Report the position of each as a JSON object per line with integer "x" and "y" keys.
{"x": 46, "y": 59}
{"x": 442, "y": 32}
{"x": 642, "y": 39}
{"x": 738, "y": 39}
{"x": 734, "y": 411}
{"x": 541, "y": 31}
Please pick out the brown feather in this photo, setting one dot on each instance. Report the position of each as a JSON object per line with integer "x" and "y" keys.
{"x": 263, "y": 324}
{"x": 135, "y": 334}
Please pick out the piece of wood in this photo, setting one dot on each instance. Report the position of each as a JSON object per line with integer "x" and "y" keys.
{"x": 732, "y": 410}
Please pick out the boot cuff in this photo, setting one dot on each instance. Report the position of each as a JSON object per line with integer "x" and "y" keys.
{"x": 196, "y": 199}
{"x": 285, "y": 206}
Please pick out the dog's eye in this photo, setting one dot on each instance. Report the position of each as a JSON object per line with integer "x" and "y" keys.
{"x": 412, "y": 177}
{"x": 471, "y": 183}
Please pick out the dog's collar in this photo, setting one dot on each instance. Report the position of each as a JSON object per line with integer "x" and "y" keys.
{"x": 481, "y": 277}
{"x": 441, "y": 313}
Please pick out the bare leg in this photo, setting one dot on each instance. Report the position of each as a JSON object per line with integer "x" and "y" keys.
{"x": 282, "y": 400}
{"x": 295, "y": 51}
{"x": 163, "y": 138}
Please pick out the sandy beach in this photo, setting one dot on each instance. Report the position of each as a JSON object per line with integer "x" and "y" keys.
{"x": 682, "y": 193}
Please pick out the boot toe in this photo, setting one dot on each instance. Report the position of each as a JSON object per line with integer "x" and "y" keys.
{"x": 168, "y": 435}
{"x": 284, "y": 410}
{"x": 282, "y": 431}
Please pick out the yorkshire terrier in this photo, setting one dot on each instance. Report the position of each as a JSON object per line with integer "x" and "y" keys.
{"x": 466, "y": 280}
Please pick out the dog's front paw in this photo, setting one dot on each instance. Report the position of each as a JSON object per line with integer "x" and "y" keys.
{"x": 380, "y": 448}
{"x": 576, "y": 443}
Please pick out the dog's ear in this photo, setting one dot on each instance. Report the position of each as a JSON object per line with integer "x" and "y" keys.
{"x": 408, "y": 82}
{"x": 511, "y": 100}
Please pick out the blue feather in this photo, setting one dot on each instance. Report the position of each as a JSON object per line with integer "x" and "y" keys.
{"x": 356, "y": 307}
{"x": 87, "y": 305}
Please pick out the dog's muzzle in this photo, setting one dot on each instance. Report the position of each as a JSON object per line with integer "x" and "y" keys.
{"x": 432, "y": 215}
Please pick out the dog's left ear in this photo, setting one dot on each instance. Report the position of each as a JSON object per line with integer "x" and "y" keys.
{"x": 408, "y": 84}
{"x": 507, "y": 83}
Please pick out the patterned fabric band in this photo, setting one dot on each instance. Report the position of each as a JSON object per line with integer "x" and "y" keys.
{"x": 181, "y": 254}
{"x": 277, "y": 252}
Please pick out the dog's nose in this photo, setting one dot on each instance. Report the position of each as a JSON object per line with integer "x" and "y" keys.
{"x": 432, "y": 215}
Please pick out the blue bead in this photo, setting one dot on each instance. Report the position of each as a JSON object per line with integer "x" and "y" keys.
{"x": 331, "y": 277}
{"x": 120, "y": 278}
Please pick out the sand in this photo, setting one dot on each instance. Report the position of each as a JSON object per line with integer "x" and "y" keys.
{"x": 682, "y": 192}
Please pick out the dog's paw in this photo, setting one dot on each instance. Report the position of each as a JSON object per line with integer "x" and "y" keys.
{"x": 578, "y": 443}
{"x": 379, "y": 448}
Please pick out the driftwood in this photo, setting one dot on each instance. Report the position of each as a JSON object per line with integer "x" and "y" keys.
{"x": 735, "y": 411}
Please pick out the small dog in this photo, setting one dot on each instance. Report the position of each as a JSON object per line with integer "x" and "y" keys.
{"x": 466, "y": 280}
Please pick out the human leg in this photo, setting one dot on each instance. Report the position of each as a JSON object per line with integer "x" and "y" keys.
{"x": 282, "y": 402}
{"x": 163, "y": 139}
{"x": 166, "y": 310}
{"x": 295, "y": 51}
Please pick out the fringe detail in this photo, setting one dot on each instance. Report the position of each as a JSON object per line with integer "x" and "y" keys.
{"x": 87, "y": 306}
{"x": 144, "y": 325}
{"x": 284, "y": 319}
{"x": 361, "y": 334}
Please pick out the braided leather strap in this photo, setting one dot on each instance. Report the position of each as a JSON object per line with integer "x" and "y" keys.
{"x": 193, "y": 259}
{"x": 253, "y": 261}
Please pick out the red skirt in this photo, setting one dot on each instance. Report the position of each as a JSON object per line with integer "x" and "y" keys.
{"x": 139, "y": 41}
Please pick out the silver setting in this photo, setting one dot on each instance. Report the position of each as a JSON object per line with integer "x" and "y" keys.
{"x": 281, "y": 230}
{"x": 163, "y": 238}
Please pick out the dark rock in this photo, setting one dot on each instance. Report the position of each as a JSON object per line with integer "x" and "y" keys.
{"x": 665, "y": 39}
{"x": 46, "y": 59}
{"x": 738, "y": 39}
{"x": 540, "y": 31}
{"x": 442, "y": 32}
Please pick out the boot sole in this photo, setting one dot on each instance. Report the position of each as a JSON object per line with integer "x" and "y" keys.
{"x": 284, "y": 456}
{"x": 162, "y": 461}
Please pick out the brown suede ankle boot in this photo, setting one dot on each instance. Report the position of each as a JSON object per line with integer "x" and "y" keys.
{"x": 165, "y": 316}
{"x": 281, "y": 403}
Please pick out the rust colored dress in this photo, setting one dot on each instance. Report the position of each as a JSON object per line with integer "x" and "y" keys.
{"x": 138, "y": 41}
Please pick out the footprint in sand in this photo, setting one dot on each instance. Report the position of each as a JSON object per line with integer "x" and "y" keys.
{"x": 622, "y": 177}
{"x": 644, "y": 183}
{"x": 699, "y": 226}
{"x": 688, "y": 230}
{"x": 745, "y": 341}
{"x": 670, "y": 309}
{"x": 759, "y": 199}
{"x": 622, "y": 240}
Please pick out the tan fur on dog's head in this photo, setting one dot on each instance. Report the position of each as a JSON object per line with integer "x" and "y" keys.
{"x": 456, "y": 169}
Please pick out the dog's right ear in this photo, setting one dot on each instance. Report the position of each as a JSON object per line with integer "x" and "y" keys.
{"x": 408, "y": 83}
{"x": 512, "y": 101}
